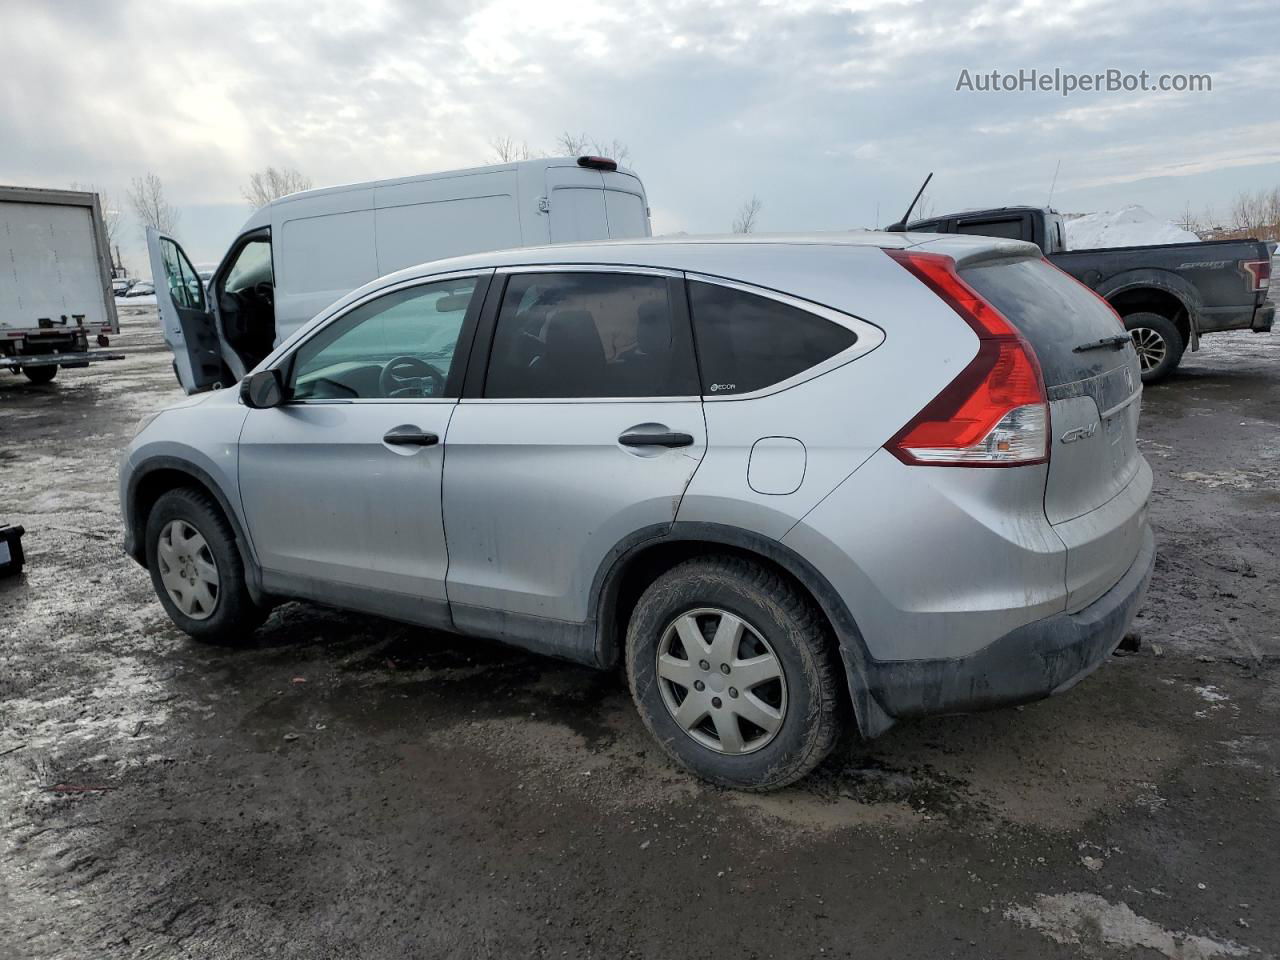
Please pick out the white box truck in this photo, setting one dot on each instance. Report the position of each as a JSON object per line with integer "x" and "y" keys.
{"x": 55, "y": 282}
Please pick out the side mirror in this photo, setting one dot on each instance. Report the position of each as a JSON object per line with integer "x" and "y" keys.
{"x": 262, "y": 390}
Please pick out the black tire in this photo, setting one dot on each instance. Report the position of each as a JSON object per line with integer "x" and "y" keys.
{"x": 1156, "y": 333}
{"x": 800, "y": 640}
{"x": 235, "y": 616}
{"x": 43, "y": 374}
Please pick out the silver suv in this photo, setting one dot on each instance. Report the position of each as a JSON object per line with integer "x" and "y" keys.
{"x": 786, "y": 481}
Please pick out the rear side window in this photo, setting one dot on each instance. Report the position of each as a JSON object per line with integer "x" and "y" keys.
{"x": 577, "y": 335}
{"x": 1054, "y": 312}
{"x": 1006, "y": 229}
{"x": 747, "y": 342}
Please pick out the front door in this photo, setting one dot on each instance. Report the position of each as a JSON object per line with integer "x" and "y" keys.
{"x": 341, "y": 482}
{"x": 186, "y": 318}
{"x": 587, "y": 430}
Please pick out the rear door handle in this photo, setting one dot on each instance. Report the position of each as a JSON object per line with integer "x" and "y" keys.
{"x": 656, "y": 440}
{"x": 409, "y": 437}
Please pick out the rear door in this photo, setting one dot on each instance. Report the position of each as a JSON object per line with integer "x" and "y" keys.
{"x": 185, "y": 316}
{"x": 577, "y": 204}
{"x": 586, "y": 430}
{"x": 1098, "y": 482}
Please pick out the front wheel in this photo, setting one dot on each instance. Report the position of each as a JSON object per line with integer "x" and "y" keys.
{"x": 43, "y": 374}
{"x": 197, "y": 571}
{"x": 1158, "y": 342}
{"x": 732, "y": 670}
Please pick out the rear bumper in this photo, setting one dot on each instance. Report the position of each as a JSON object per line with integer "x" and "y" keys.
{"x": 1029, "y": 663}
{"x": 80, "y": 359}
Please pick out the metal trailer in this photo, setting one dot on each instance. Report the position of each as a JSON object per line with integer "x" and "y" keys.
{"x": 55, "y": 282}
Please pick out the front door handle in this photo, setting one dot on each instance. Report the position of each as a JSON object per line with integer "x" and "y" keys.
{"x": 409, "y": 437}
{"x": 656, "y": 440}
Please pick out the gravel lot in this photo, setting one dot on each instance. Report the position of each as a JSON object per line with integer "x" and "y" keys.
{"x": 351, "y": 787}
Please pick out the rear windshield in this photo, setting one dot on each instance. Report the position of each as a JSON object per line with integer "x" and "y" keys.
{"x": 1055, "y": 314}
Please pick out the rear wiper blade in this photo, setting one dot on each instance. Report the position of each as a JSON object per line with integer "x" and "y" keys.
{"x": 1115, "y": 342}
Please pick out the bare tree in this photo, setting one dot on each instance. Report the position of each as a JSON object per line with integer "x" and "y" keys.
{"x": 578, "y": 144}
{"x": 1256, "y": 214}
{"x": 1187, "y": 220}
{"x": 110, "y": 211}
{"x": 507, "y": 150}
{"x": 265, "y": 185}
{"x": 748, "y": 213}
{"x": 924, "y": 208}
{"x": 152, "y": 208}
{"x": 573, "y": 144}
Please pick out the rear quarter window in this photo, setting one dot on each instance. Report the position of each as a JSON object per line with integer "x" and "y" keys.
{"x": 747, "y": 342}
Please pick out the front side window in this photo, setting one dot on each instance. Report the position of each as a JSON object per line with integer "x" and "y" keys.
{"x": 748, "y": 342}
{"x": 399, "y": 346}
{"x": 252, "y": 267}
{"x": 180, "y": 277}
{"x": 571, "y": 335}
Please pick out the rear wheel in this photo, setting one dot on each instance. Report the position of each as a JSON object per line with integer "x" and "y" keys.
{"x": 731, "y": 670}
{"x": 1158, "y": 342}
{"x": 41, "y": 374}
{"x": 197, "y": 571}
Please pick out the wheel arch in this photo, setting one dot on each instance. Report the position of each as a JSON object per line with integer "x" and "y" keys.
{"x": 158, "y": 475}
{"x": 1159, "y": 292}
{"x": 639, "y": 559}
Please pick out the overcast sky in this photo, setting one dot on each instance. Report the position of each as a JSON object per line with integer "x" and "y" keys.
{"x": 827, "y": 111}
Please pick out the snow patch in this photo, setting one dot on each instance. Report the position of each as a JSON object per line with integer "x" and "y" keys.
{"x": 1131, "y": 226}
{"x": 1211, "y": 694}
{"x": 1086, "y": 919}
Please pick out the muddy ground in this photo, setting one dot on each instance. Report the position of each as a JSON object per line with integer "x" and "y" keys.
{"x": 349, "y": 787}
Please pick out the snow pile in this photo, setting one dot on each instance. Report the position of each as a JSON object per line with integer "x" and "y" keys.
{"x": 1130, "y": 227}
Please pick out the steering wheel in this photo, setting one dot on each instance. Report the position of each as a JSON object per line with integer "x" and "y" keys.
{"x": 266, "y": 292}
{"x": 410, "y": 377}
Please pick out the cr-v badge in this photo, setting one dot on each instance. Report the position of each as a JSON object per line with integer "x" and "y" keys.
{"x": 1080, "y": 433}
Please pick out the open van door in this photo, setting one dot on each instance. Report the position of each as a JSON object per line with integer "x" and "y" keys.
{"x": 186, "y": 318}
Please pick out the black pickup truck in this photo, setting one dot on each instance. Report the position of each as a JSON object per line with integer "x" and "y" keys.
{"x": 1169, "y": 295}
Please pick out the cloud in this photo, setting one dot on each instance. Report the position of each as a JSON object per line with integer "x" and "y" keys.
{"x": 823, "y": 108}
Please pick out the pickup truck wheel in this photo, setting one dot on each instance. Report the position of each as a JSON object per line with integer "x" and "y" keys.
{"x": 40, "y": 374}
{"x": 1158, "y": 342}
{"x": 732, "y": 671}
{"x": 197, "y": 571}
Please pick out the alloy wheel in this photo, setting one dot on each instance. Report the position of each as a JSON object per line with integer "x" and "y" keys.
{"x": 1150, "y": 346}
{"x": 188, "y": 570}
{"x": 721, "y": 681}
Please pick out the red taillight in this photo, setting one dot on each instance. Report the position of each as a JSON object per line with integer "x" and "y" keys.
{"x": 598, "y": 163}
{"x": 995, "y": 413}
{"x": 1259, "y": 271}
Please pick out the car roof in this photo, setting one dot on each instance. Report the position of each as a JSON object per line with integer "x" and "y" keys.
{"x": 687, "y": 252}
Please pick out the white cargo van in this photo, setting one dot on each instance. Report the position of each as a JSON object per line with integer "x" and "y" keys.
{"x": 301, "y": 252}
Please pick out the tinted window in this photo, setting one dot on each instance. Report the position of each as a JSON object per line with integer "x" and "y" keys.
{"x": 1055, "y": 314}
{"x": 589, "y": 335}
{"x": 417, "y": 328}
{"x": 747, "y": 342}
{"x": 1007, "y": 229}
